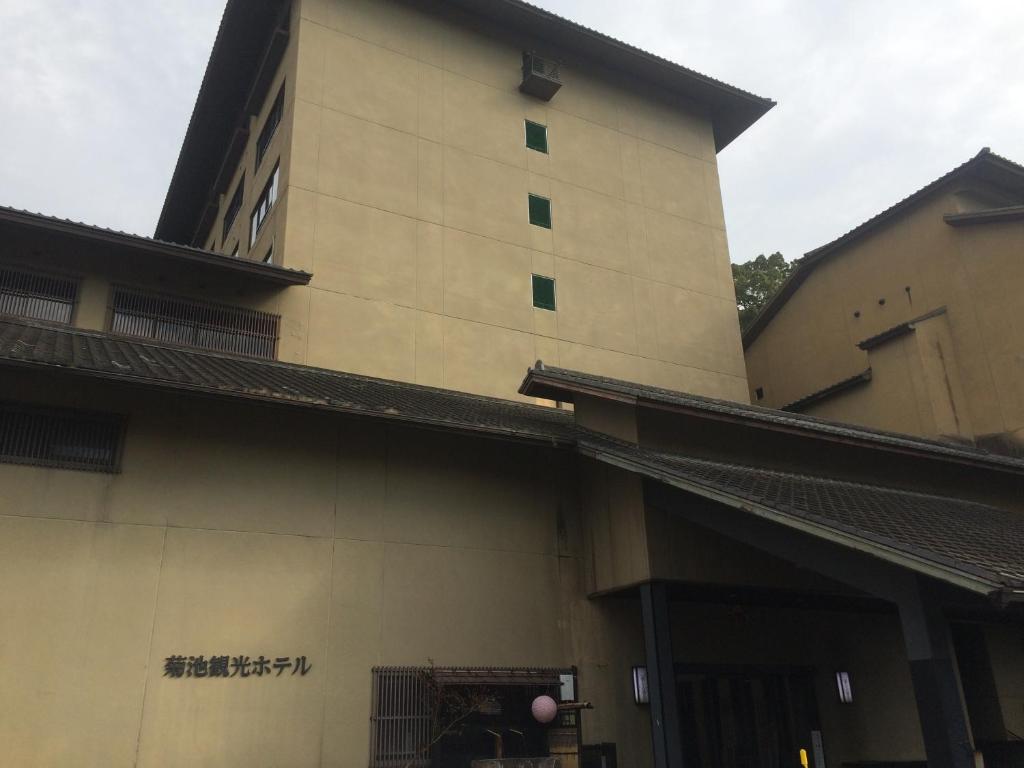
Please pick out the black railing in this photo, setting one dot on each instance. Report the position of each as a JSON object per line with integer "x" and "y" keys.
{"x": 193, "y": 323}
{"x": 37, "y": 295}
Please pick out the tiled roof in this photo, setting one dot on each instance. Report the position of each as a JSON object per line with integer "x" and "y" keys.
{"x": 132, "y": 361}
{"x": 558, "y": 384}
{"x": 733, "y": 109}
{"x": 955, "y": 539}
{"x": 148, "y": 246}
{"x": 985, "y": 163}
{"x": 901, "y": 329}
{"x": 826, "y": 392}
{"x": 935, "y": 532}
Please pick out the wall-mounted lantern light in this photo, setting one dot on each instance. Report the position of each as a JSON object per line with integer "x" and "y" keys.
{"x": 844, "y": 687}
{"x": 640, "y": 693}
{"x": 567, "y": 687}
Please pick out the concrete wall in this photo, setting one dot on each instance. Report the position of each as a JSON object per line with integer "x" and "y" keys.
{"x": 915, "y": 387}
{"x": 245, "y": 530}
{"x": 406, "y": 196}
{"x": 974, "y": 271}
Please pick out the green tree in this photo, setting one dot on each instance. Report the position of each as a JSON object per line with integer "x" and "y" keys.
{"x": 756, "y": 282}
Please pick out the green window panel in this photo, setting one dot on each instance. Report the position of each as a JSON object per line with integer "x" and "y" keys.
{"x": 544, "y": 292}
{"x": 540, "y": 211}
{"x": 537, "y": 136}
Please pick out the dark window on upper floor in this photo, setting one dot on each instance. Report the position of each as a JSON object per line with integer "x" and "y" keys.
{"x": 194, "y": 323}
{"x": 264, "y": 205}
{"x": 56, "y": 437}
{"x": 540, "y": 211}
{"x": 37, "y": 295}
{"x": 270, "y": 127}
{"x": 234, "y": 206}
{"x": 759, "y": 393}
{"x": 269, "y": 257}
{"x": 234, "y": 251}
{"x": 537, "y": 136}
{"x": 544, "y": 292}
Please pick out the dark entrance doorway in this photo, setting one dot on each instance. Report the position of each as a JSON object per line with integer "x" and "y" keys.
{"x": 747, "y": 717}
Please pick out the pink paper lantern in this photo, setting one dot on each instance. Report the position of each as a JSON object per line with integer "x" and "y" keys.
{"x": 544, "y": 709}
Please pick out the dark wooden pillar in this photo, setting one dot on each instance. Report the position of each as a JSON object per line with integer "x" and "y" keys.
{"x": 661, "y": 677}
{"x": 940, "y": 704}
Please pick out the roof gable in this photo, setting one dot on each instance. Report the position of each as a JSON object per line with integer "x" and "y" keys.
{"x": 986, "y": 166}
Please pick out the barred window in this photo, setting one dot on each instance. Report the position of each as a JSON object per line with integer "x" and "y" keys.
{"x": 37, "y": 296}
{"x": 66, "y": 439}
{"x": 194, "y": 323}
{"x": 411, "y": 707}
{"x": 400, "y": 723}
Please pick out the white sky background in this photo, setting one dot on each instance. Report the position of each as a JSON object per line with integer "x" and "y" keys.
{"x": 876, "y": 99}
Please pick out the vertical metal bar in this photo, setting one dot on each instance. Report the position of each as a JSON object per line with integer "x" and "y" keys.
{"x": 940, "y": 705}
{"x": 195, "y": 323}
{"x": 661, "y": 681}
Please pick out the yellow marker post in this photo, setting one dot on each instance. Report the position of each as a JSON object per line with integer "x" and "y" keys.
{"x": 803, "y": 759}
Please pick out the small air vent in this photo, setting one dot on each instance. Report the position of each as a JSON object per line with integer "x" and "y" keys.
{"x": 541, "y": 77}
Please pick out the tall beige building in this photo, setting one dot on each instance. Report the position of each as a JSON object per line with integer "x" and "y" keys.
{"x": 403, "y": 163}
{"x": 911, "y": 321}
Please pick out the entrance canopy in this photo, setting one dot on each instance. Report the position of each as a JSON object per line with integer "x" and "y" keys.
{"x": 974, "y": 546}
{"x": 946, "y": 511}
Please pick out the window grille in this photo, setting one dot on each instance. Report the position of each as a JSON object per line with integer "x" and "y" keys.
{"x": 401, "y": 714}
{"x": 66, "y": 439}
{"x": 400, "y": 719}
{"x": 37, "y": 296}
{"x": 194, "y": 323}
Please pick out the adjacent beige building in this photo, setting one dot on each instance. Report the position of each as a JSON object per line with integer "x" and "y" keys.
{"x": 910, "y": 322}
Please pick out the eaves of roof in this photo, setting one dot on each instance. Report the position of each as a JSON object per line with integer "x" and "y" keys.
{"x": 980, "y": 553}
{"x": 988, "y": 216}
{"x": 825, "y": 393}
{"x": 968, "y": 545}
{"x": 237, "y": 57}
{"x": 560, "y": 384}
{"x": 139, "y": 362}
{"x": 733, "y": 110}
{"x": 986, "y": 164}
{"x": 229, "y": 93}
{"x": 902, "y": 329}
{"x": 146, "y": 247}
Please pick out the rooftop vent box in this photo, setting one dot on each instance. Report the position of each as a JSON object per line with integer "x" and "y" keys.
{"x": 540, "y": 76}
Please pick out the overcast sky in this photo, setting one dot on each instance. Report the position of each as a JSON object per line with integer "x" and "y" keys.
{"x": 876, "y": 99}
